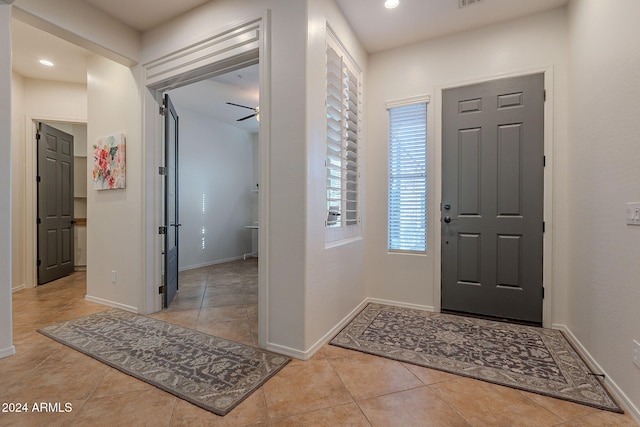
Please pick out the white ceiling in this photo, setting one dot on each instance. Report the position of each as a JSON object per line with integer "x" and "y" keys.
{"x": 30, "y": 45}
{"x": 210, "y": 97}
{"x": 380, "y": 29}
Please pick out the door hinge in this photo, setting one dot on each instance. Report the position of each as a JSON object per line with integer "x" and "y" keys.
{"x": 38, "y": 221}
{"x": 544, "y": 161}
{"x": 545, "y": 95}
{"x": 544, "y": 226}
{"x": 543, "y": 292}
{"x": 37, "y": 137}
{"x": 163, "y": 110}
{"x": 162, "y": 170}
{"x": 162, "y": 230}
{"x": 161, "y": 289}
{"x": 39, "y": 262}
{"x": 38, "y": 178}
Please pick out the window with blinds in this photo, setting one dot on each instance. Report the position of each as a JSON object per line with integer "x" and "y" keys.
{"x": 343, "y": 113}
{"x": 408, "y": 177}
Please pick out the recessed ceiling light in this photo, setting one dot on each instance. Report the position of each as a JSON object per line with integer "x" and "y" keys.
{"x": 391, "y": 4}
{"x": 46, "y": 63}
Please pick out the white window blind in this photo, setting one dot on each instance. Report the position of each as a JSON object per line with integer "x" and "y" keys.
{"x": 343, "y": 113}
{"x": 408, "y": 177}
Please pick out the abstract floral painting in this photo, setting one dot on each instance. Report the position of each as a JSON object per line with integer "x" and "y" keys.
{"x": 109, "y": 163}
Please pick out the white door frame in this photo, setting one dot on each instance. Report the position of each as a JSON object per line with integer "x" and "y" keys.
{"x": 227, "y": 49}
{"x": 547, "y": 279}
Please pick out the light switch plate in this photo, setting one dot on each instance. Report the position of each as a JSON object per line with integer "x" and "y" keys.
{"x": 633, "y": 213}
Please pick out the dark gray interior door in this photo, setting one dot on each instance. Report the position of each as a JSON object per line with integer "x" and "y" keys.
{"x": 172, "y": 225}
{"x": 55, "y": 203}
{"x": 492, "y": 198}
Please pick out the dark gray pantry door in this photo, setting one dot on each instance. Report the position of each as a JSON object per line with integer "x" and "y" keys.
{"x": 55, "y": 203}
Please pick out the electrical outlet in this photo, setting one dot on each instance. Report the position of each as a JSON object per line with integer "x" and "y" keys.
{"x": 633, "y": 213}
{"x": 636, "y": 353}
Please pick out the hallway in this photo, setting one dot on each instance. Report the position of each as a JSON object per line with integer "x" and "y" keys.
{"x": 335, "y": 387}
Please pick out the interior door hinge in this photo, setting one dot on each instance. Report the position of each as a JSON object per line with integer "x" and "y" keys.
{"x": 544, "y": 226}
{"x": 163, "y": 110}
{"x": 39, "y": 263}
{"x": 161, "y": 289}
{"x": 544, "y": 161}
{"x": 545, "y": 95}
{"x": 543, "y": 292}
{"x": 162, "y": 170}
{"x": 37, "y": 137}
{"x": 38, "y": 178}
{"x": 162, "y": 230}
{"x": 38, "y": 221}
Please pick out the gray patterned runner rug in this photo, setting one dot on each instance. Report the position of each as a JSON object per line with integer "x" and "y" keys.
{"x": 527, "y": 358}
{"x": 210, "y": 372}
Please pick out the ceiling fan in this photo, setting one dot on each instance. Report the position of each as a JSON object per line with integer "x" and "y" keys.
{"x": 256, "y": 111}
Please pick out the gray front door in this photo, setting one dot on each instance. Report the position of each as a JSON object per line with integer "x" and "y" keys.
{"x": 55, "y": 203}
{"x": 170, "y": 202}
{"x": 492, "y": 198}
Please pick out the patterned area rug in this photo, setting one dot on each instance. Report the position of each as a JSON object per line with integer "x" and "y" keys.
{"x": 210, "y": 372}
{"x": 523, "y": 357}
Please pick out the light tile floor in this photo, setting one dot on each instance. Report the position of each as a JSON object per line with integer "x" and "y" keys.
{"x": 336, "y": 387}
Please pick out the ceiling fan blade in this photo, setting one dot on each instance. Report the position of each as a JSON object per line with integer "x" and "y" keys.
{"x": 243, "y": 106}
{"x": 245, "y": 118}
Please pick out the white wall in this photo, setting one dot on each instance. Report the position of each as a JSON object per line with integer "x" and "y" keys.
{"x": 115, "y": 241}
{"x": 35, "y": 100}
{"x": 334, "y": 282}
{"x": 519, "y": 46}
{"x": 603, "y": 171}
{"x": 6, "y": 345}
{"x": 215, "y": 163}
{"x": 18, "y": 184}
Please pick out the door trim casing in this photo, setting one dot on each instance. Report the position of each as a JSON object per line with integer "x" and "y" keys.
{"x": 547, "y": 280}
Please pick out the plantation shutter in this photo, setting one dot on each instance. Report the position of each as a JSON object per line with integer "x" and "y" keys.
{"x": 334, "y": 138}
{"x": 350, "y": 160}
{"x": 408, "y": 177}
{"x": 343, "y": 113}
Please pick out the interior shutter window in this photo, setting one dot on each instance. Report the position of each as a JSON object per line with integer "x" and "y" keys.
{"x": 408, "y": 177}
{"x": 343, "y": 130}
{"x": 334, "y": 138}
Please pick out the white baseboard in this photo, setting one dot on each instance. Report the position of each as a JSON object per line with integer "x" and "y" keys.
{"x": 6, "y": 352}
{"x": 210, "y": 263}
{"x": 400, "y": 304}
{"x": 307, "y": 354}
{"x": 18, "y": 288}
{"x": 111, "y": 304}
{"x": 617, "y": 392}
{"x": 288, "y": 351}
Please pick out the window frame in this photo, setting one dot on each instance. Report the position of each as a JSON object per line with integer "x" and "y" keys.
{"x": 392, "y": 224}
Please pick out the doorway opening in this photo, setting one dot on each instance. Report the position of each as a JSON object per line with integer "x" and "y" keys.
{"x": 57, "y": 98}
{"x": 216, "y": 223}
